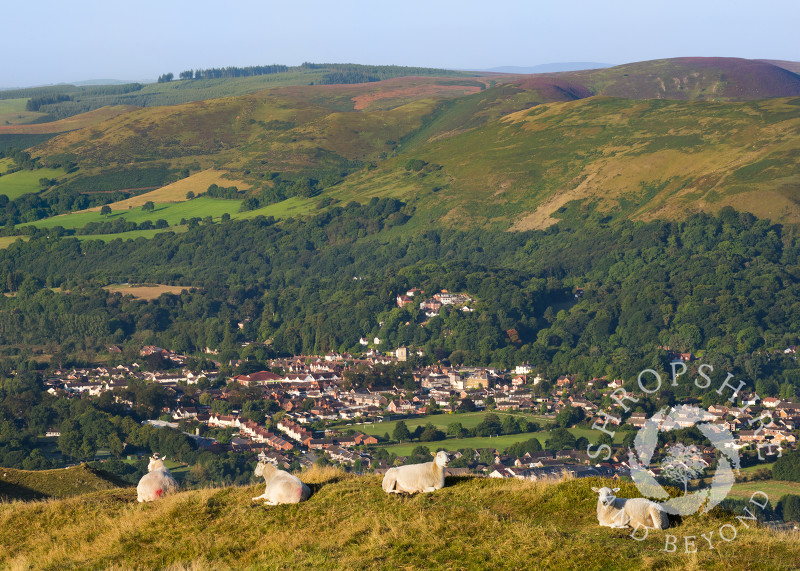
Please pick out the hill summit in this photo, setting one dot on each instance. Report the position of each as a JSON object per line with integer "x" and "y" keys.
{"x": 350, "y": 523}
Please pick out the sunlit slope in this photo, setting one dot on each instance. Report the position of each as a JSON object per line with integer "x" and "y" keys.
{"x": 694, "y": 78}
{"x": 351, "y": 523}
{"x": 638, "y": 159}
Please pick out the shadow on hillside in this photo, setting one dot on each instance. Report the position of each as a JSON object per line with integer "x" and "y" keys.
{"x": 10, "y": 492}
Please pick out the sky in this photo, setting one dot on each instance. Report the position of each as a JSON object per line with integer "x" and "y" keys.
{"x": 53, "y": 41}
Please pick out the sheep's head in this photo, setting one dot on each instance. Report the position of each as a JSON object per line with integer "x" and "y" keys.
{"x": 156, "y": 463}
{"x": 441, "y": 458}
{"x": 264, "y": 469}
{"x": 607, "y": 496}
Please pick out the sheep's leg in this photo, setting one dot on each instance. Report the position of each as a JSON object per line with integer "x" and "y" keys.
{"x": 261, "y": 497}
{"x": 429, "y": 489}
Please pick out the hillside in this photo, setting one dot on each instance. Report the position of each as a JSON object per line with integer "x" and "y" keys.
{"x": 700, "y": 78}
{"x": 350, "y": 523}
{"x": 499, "y": 151}
{"x": 38, "y": 485}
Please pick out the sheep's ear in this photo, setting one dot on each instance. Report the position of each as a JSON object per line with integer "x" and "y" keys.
{"x": 615, "y": 490}
{"x": 595, "y": 489}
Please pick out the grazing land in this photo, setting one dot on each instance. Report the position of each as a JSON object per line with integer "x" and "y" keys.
{"x": 22, "y": 182}
{"x": 350, "y": 523}
{"x": 147, "y": 292}
{"x": 773, "y": 488}
{"x": 441, "y": 421}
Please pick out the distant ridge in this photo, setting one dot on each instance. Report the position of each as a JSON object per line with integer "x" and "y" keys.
{"x": 102, "y": 82}
{"x": 549, "y": 67}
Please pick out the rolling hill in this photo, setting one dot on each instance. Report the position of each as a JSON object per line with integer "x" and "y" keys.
{"x": 350, "y": 523}
{"x": 63, "y": 483}
{"x": 700, "y": 78}
{"x": 664, "y": 138}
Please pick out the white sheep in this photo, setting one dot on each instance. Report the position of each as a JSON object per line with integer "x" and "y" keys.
{"x": 157, "y": 483}
{"x": 414, "y": 478}
{"x": 631, "y": 512}
{"x": 282, "y": 487}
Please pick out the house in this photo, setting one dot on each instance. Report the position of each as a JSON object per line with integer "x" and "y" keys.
{"x": 637, "y": 419}
{"x": 404, "y": 300}
{"x": 616, "y": 384}
{"x": 257, "y": 379}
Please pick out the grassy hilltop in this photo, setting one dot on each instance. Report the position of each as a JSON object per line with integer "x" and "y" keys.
{"x": 350, "y": 523}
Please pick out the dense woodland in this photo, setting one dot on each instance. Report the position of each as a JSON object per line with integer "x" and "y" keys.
{"x": 724, "y": 287}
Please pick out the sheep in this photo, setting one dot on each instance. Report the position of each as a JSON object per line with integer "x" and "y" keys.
{"x": 415, "y": 478}
{"x": 157, "y": 483}
{"x": 282, "y": 487}
{"x": 633, "y": 512}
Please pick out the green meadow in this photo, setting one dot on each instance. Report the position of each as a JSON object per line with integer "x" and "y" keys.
{"x": 22, "y": 182}
{"x": 773, "y": 488}
{"x": 470, "y": 420}
{"x": 173, "y": 213}
{"x": 441, "y": 421}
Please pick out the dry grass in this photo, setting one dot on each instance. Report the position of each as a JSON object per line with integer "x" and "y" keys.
{"x": 146, "y": 292}
{"x": 350, "y": 523}
{"x": 176, "y": 192}
{"x": 69, "y": 124}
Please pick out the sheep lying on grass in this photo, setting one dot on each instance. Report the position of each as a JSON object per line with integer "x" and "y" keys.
{"x": 414, "y": 478}
{"x": 282, "y": 487}
{"x": 632, "y": 512}
{"x": 157, "y": 483}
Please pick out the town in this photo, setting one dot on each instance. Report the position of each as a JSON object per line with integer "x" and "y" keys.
{"x": 353, "y": 410}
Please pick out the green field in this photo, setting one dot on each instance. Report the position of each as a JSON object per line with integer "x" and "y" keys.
{"x": 12, "y": 112}
{"x": 441, "y": 421}
{"x": 16, "y": 184}
{"x": 173, "y": 212}
{"x": 499, "y": 443}
{"x": 773, "y": 488}
{"x": 6, "y": 241}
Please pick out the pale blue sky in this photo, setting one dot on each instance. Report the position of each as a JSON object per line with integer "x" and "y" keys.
{"x": 65, "y": 41}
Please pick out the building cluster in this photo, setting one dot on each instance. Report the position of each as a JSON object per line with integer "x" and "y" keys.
{"x": 320, "y": 413}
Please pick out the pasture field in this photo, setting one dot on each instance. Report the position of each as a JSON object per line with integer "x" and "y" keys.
{"x": 171, "y": 212}
{"x": 441, "y": 421}
{"x": 498, "y": 442}
{"x": 773, "y": 488}
{"x": 12, "y": 112}
{"x": 294, "y": 206}
{"x": 22, "y": 182}
{"x": 176, "y": 191}
{"x": 146, "y": 292}
{"x": 6, "y": 241}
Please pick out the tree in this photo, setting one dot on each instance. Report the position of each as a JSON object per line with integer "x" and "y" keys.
{"x": 467, "y": 405}
{"x": 789, "y": 507}
{"x": 569, "y": 416}
{"x": 148, "y": 206}
{"x": 787, "y": 467}
{"x": 560, "y": 439}
{"x": 401, "y": 432}
{"x": 105, "y": 210}
{"x": 189, "y": 195}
